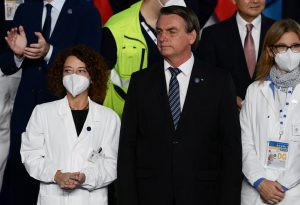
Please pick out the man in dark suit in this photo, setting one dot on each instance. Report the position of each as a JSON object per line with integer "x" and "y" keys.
{"x": 42, "y": 29}
{"x": 222, "y": 44}
{"x": 180, "y": 136}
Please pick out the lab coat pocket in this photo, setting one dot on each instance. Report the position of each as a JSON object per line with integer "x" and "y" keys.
{"x": 295, "y": 132}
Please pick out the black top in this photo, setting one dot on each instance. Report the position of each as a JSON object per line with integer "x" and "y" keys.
{"x": 109, "y": 47}
{"x": 79, "y": 117}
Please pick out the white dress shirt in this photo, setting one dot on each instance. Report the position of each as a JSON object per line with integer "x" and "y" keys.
{"x": 56, "y": 9}
{"x": 255, "y": 30}
{"x": 183, "y": 77}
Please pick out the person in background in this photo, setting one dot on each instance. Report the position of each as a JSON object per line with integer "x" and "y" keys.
{"x": 41, "y": 29}
{"x": 180, "y": 135}
{"x": 71, "y": 145}
{"x": 129, "y": 44}
{"x": 8, "y": 88}
{"x": 235, "y": 44}
{"x": 270, "y": 120}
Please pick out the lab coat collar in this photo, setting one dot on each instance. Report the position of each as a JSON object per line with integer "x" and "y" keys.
{"x": 64, "y": 108}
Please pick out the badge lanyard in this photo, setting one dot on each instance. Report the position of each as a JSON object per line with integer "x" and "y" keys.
{"x": 150, "y": 33}
{"x": 283, "y": 111}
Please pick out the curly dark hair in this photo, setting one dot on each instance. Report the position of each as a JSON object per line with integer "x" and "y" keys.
{"x": 95, "y": 65}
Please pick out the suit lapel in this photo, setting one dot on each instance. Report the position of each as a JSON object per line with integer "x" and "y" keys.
{"x": 63, "y": 20}
{"x": 161, "y": 91}
{"x": 263, "y": 29}
{"x": 196, "y": 84}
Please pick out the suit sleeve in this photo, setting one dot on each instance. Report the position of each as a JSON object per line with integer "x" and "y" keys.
{"x": 33, "y": 149}
{"x": 252, "y": 167}
{"x": 231, "y": 146}
{"x": 7, "y": 62}
{"x": 127, "y": 189}
{"x": 104, "y": 170}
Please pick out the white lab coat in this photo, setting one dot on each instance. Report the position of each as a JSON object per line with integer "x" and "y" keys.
{"x": 259, "y": 122}
{"x": 50, "y": 143}
{"x": 8, "y": 89}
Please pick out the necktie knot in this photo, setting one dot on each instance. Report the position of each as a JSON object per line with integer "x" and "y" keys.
{"x": 249, "y": 27}
{"x": 174, "y": 71}
{"x": 49, "y": 8}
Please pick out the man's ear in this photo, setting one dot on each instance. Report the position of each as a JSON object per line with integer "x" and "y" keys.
{"x": 192, "y": 37}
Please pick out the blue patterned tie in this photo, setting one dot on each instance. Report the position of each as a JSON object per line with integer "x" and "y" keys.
{"x": 47, "y": 24}
{"x": 174, "y": 97}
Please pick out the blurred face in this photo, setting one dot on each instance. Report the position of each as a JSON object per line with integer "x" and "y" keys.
{"x": 74, "y": 65}
{"x": 250, "y": 9}
{"x": 174, "y": 43}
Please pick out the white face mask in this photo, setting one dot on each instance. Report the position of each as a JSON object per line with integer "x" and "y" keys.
{"x": 75, "y": 84}
{"x": 287, "y": 61}
{"x": 173, "y": 3}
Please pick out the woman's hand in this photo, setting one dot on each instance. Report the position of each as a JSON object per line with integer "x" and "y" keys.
{"x": 271, "y": 192}
{"x": 69, "y": 180}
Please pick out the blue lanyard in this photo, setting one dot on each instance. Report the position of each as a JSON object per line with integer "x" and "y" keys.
{"x": 283, "y": 111}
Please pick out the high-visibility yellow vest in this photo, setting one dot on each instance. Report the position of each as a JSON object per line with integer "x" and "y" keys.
{"x": 132, "y": 54}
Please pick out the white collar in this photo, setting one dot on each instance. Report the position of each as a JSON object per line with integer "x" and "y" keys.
{"x": 242, "y": 23}
{"x": 57, "y": 4}
{"x": 186, "y": 67}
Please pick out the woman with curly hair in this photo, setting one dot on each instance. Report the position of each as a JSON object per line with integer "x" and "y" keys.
{"x": 70, "y": 145}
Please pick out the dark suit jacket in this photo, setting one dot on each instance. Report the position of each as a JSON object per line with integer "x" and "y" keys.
{"x": 291, "y": 9}
{"x": 221, "y": 46}
{"x": 200, "y": 162}
{"x": 78, "y": 23}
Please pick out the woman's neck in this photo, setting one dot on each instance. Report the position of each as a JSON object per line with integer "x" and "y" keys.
{"x": 150, "y": 11}
{"x": 80, "y": 102}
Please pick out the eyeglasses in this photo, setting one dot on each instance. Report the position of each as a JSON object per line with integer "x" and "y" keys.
{"x": 281, "y": 48}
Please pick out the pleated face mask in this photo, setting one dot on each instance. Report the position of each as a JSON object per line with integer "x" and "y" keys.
{"x": 76, "y": 84}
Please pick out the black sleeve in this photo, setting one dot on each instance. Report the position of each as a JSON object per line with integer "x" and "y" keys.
{"x": 126, "y": 166}
{"x": 231, "y": 163}
{"x": 109, "y": 47}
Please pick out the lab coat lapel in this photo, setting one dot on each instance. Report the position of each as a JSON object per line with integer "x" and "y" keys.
{"x": 66, "y": 114}
{"x": 268, "y": 95}
{"x": 91, "y": 124}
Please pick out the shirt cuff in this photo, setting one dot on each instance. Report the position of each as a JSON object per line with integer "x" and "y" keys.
{"x": 48, "y": 56}
{"x": 18, "y": 61}
{"x": 257, "y": 182}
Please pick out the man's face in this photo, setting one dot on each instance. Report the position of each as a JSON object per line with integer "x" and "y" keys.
{"x": 172, "y": 39}
{"x": 249, "y": 9}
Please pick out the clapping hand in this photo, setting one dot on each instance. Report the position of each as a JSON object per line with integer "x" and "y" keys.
{"x": 17, "y": 40}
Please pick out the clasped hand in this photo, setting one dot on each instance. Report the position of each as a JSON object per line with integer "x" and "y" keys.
{"x": 271, "y": 192}
{"x": 69, "y": 180}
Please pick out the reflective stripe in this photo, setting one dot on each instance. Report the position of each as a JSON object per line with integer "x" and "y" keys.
{"x": 117, "y": 80}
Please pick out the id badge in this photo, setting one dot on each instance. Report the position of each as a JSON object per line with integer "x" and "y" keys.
{"x": 277, "y": 154}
